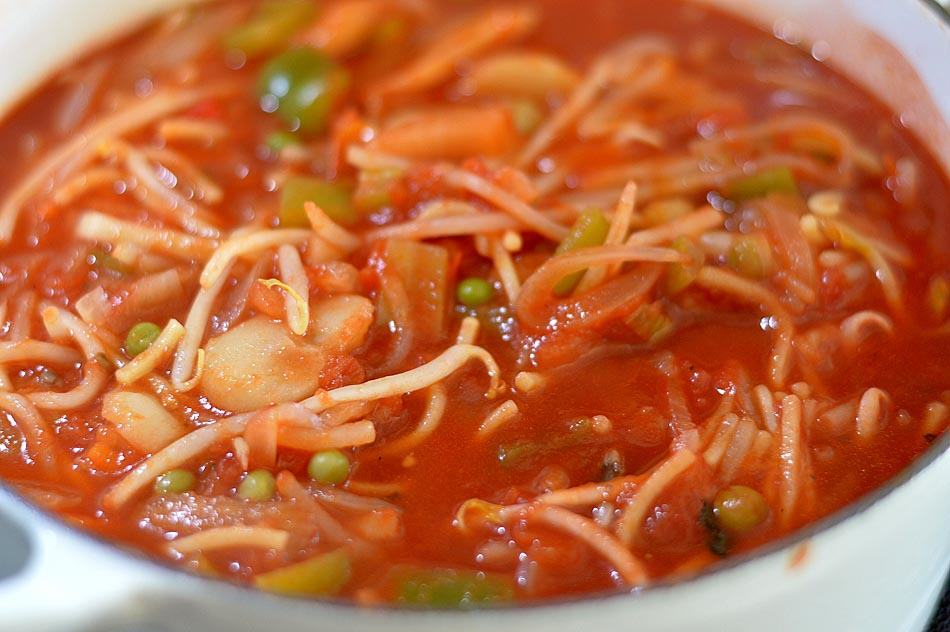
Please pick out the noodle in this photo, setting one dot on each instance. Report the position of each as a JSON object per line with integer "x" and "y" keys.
{"x": 295, "y": 277}
{"x": 94, "y": 375}
{"x": 505, "y": 201}
{"x": 195, "y": 325}
{"x": 449, "y": 361}
{"x": 245, "y": 244}
{"x": 86, "y": 142}
{"x": 147, "y": 361}
{"x": 633, "y": 514}
{"x": 96, "y": 226}
{"x": 431, "y": 418}
{"x": 500, "y": 416}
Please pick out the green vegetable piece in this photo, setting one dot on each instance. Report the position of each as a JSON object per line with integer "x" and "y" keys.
{"x": 518, "y": 453}
{"x": 175, "y": 482}
{"x": 526, "y": 116}
{"x": 666, "y": 210}
{"x": 474, "y": 291}
{"x": 739, "y": 509}
{"x": 104, "y": 361}
{"x": 777, "y": 180}
{"x": 270, "y": 26}
{"x": 749, "y": 257}
{"x": 278, "y": 141}
{"x": 106, "y": 262}
{"x": 588, "y": 231}
{"x": 141, "y": 337}
{"x": 447, "y": 588}
{"x": 718, "y": 540}
{"x": 323, "y": 575}
{"x": 49, "y": 377}
{"x": 329, "y": 466}
{"x": 390, "y": 31}
{"x": 257, "y": 485}
{"x": 302, "y": 86}
{"x": 373, "y": 188}
{"x": 333, "y": 198}
{"x": 510, "y": 454}
{"x": 938, "y": 297}
{"x": 611, "y": 466}
{"x": 680, "y": 276}
{"x": 651, "y": 323}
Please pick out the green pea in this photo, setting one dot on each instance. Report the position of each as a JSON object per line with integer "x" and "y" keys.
{"x": 329, "y": 466}
{"x": 739, "y": 509}
{"x": 302, "y": 86}
{"x": 174, "y": 482}
{"x": 474, "y": 291}
{"x": 140, "y": 338}
{"x": 257, "y": 485}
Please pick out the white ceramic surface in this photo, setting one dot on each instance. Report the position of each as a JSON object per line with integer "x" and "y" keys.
{"x": 876, "y": 570}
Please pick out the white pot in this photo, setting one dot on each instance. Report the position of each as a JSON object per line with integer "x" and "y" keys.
{"x": 875, "y": 566}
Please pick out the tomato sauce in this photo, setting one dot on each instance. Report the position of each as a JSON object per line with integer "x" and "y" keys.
{"x": 719, "y": 344}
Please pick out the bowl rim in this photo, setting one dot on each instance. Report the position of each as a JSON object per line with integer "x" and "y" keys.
{"x": 940, "y": 448}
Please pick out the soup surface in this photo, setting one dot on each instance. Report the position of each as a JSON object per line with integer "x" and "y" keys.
{"x": 453, "y": 304}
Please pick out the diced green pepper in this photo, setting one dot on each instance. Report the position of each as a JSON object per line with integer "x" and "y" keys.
{"x": 270, "y": 26}
{"x": 448, "y": 588}
{"x": 749, "y": 256}
{"x": 651, "y": 323}
{"x": 679, "y": 276}
{"x": 106, "y": 262}
{"x": 373, "y": 188}
{"x": 302, "y": 86}
{"x": 278, "y": 141}
{"x": 526, "y": 116}
{"x": 588, "y": 231}
{"x": 666, "y": 210}
{"x": 518, "y": 453}
{"x": 777, "y": 180}
{"x": 319, "y": 576}
{"x": 333, "y": 198}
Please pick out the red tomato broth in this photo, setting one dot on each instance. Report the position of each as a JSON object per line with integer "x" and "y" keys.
{"x": 619, "y": 381}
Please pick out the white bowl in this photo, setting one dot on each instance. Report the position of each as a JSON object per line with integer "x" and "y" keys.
{"x": 876, "y": 566}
